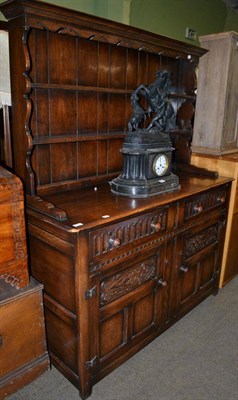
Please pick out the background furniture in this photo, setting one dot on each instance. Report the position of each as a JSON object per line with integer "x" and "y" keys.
{"x": 216, "y": 120}
{"x": 24, "y": 356}
{"x": 226, "y": 165}
{"x": 216, "y": 127}
{"x": 13, "y": 250}
{"x": 117, "y": 271}
{"x": 23, "y": 349}
{"x": 5, "y": 98}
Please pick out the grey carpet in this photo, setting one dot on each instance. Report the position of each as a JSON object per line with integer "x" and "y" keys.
{"x": 196, "y": 359}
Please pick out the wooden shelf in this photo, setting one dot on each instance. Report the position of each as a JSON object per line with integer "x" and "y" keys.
{"x": 96, "y": 89}
{"x": 79, "y": 88}
{"x": 74, "y": 139}
{"x": 182, "y": 96}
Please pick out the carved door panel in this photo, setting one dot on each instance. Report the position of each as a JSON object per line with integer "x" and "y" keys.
{"x": 131, "y": 297}
{"x": 197, "y": 265}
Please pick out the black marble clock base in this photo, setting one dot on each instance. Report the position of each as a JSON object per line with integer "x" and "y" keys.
{"x": 145, "y": 188}
{"x": 147, "y": 165}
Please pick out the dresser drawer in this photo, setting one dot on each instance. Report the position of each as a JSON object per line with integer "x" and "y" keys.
{"x": 198, "y": 205}
{"x": 107, "y": 239}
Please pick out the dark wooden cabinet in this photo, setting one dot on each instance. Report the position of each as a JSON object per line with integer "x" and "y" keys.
{"x": 117, "y": 271}
{"x": 113, "y": 284}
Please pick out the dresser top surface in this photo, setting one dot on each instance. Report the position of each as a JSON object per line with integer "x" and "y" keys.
{"x": 91, "y": 207}
{"x": 10, "y": 293}
{"x": 225, "y": 157}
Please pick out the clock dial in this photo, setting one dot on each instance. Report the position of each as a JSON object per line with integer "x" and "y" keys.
{"x": 160, "y": 165}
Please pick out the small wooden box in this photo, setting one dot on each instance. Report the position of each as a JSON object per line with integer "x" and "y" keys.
{"x": 13, "y": 250}
{"x": 23, "y": 351}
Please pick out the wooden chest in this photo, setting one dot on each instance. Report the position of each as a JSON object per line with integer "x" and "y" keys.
{"x": 13, "y": 250}
{"x": 22, "y": 336}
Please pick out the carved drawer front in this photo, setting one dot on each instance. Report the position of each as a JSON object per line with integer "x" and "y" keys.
{"x": 127, "y": 280}
{"x": 115, "y": 236}
{"x": 199, "y": 241}
{"x": 205, "y": 202}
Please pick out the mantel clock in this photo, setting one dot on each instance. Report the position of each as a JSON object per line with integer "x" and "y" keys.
{"x": 147, "y": 153}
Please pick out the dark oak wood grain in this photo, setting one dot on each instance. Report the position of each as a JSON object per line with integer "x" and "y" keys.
{"x": 120, "y": 271}
{"x": 84, "y": 68}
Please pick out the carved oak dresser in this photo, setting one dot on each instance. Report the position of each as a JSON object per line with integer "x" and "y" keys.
{"x": 117, "y": 271}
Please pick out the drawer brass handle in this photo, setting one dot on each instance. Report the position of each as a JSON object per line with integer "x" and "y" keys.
{"x": 184, "y": 269}
{"x": 162, "y": 283}
{"x": 198, "y": 209}
{"x": 115, "y": 242}
{"x": 156, "y": 226}
{"x": 221, "y": 200}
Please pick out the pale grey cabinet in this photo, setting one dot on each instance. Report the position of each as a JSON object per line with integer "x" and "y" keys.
{"x": 216, "y": 117}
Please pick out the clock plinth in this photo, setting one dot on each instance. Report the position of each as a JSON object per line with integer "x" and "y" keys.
{"x": 147, "y": 159}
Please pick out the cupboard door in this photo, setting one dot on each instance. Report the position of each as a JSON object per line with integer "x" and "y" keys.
{"x": 197, "y": 269}
{"x": 131, "y": 297}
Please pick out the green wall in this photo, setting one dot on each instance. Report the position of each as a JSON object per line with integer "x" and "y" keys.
{"x": 116, "y": 10}
{"x": 231, "y": 23}
{"x": 171, "y": 17}
{"x": 166, "y": 17}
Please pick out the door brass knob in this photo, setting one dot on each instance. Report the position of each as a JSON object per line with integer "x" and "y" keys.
{"x": 184, "y": 269}
{"x": 162, "y": 283}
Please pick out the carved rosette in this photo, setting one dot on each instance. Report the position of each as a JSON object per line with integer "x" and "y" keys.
{"x": 127, "y": 280}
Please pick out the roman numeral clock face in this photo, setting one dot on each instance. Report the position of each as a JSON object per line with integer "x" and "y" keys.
{"x": 160, "y": 165}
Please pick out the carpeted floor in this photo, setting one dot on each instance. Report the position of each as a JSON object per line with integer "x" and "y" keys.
{"x": 196, "y": 359}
